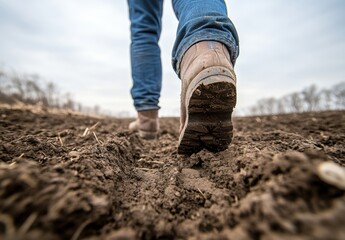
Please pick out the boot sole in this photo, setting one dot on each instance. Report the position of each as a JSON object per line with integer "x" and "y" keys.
{"x": 209, "y": 104}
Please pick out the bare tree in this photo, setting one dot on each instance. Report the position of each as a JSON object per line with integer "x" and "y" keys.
{"x": 266, "y": 106}
{"x": 339, "y": 94}
{"x": 311, "y": 97}
{"x": 326, "y": 101}
{"x": 68, "y": 102}
{"x": 253, "y": 110}
{"x": 260, "y": 105}
{"x": 96, "y": 109}
{"x": 52, "y": 94}
{"x": 33, "y": 93}
{"x": 30, "y": 89}
{"x": 296, "y": 102}
{"x": 271, "y": 105}
{"x": 2, "y": 80}
{"x": 281, "y": 105}
{"x": 17, "y": 84}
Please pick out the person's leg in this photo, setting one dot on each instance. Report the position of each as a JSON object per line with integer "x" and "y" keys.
{"x": 202, "y": 20}
{"x": 145, "y": 17}
{"x": 204, "y": 53}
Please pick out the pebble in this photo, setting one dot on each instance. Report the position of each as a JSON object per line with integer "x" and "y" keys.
{"x": 74, "y": 155}
{"x": 332, "y": 174}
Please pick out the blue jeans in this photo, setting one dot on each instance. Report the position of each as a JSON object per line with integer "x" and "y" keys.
{"x": 199, "y": 20}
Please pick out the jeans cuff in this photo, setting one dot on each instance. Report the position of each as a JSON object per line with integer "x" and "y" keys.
{"x": 145, "y": 108}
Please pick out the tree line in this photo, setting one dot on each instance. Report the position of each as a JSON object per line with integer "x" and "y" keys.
{"x": 32, "y": 89}
{"x": 309, "y": 99}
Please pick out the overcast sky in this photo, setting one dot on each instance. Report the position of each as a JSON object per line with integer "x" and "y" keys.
{"x": 83, "y": 46}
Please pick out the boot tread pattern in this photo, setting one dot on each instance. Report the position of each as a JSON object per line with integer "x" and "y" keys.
{"x": 208, "y": 124}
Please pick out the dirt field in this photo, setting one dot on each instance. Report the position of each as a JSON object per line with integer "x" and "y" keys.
{"x": 75, "y": 177}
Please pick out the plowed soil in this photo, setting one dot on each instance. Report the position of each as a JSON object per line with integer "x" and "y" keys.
{"x": 66, "y": 176}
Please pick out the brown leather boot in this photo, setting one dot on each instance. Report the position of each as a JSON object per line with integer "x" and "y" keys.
{"x": 208, "y": 96}
{"x": 146, "y": 124}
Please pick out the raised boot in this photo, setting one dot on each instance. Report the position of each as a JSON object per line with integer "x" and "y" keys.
{"x": 208, "y": 96}
{"x": 146, "y": 124}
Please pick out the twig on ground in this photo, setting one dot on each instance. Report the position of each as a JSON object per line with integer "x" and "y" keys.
{"x": 27, "y": 224}
{"x": 85, "y": 132}
{"x": 150, "y": 162}
{"x": 157, "y": 162}
{"x": 99, "y": 142}
{"x": 80, "y": 229}
{"x": 88, "y": 130}
{"x": 94, "y": 126}
{"x": 12, "y": 164}
{"x": 147, "y": 169}
{"x": 60, "y": 140}
{"x": 201, "y": 193}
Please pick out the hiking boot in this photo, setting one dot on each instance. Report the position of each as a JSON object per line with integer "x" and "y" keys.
{"x": 208, "y": 96}
{"x": 147, "y": 124}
